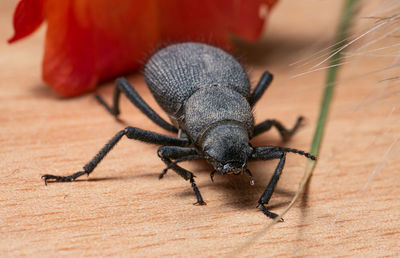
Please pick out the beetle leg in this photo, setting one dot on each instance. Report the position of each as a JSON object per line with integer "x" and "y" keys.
{"x": 166, "y": 153}
{"x": 285, "y": 133}
{"x": 131, "y": 133}
{"x": 175, "y": 162}
{"x": 261, "y": 87}
{"x": 266, "y": 196}
{"x": 123, "y": 85}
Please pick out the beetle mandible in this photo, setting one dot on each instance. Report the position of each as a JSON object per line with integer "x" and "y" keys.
{"x": 206, "y": 93}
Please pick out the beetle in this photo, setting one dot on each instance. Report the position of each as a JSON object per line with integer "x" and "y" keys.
{"x": 206, "y": 93}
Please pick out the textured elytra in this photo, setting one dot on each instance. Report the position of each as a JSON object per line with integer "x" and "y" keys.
{"x": 174, "y": 73}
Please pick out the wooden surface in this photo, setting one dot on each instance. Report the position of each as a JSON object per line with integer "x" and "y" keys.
{"x": 351, "y": 208}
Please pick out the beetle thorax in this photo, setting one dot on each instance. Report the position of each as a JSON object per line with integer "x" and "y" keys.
{"x": 212, "y": 104}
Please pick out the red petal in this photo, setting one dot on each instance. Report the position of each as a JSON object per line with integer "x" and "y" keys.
{"x": 87, "y": 42}
{"x": 248, "y": 18}
{"x": 210, "y": 20}
{"x": 28, "y": 16}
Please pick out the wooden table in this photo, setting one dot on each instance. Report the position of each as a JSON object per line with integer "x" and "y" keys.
{"x": 352, "y": 206}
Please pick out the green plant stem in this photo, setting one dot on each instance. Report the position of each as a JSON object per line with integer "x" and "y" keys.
{"x": 343, "y": 30}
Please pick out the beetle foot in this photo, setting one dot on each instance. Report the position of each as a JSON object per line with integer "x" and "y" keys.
{"x": 200, "y": 203}
{"x": 112, "y": 110}
{"x": 268, "y": 213}
{"x": 288, "y": 134}
{"x": 54, "y": 178}
{"x": 162, "y": 174}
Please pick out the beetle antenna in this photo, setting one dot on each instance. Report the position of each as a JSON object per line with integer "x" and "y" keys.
{"x": 250, "y": 176}
{"x": 308, "y": 155}
{"x": 283, "y": 149}
{"x": 212, "y": 175}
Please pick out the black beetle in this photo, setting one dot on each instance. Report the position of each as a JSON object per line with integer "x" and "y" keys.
{"x": 206, "y": 94}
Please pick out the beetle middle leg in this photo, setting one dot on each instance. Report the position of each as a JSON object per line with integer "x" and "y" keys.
{"x": 123, "y": 85}
{"x": 131, "y": 133}
{"x": 166, "y": 153}
{"x": 283, "y": 131}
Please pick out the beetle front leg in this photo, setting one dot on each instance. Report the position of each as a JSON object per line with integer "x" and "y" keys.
{"x": 166, "y": 153}
{"x": 131, "y": 133}
{"x": 266, "y": 196}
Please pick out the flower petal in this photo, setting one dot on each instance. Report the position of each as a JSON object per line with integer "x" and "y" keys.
{"x": 87, "y": 42}
{"x": 28, "y": 16}
{"x": 210, "y": 20}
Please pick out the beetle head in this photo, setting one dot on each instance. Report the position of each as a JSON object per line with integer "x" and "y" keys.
{"x": 227, "y": 148}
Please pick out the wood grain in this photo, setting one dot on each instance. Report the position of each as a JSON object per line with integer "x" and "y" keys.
{"x": 351, "y": 208}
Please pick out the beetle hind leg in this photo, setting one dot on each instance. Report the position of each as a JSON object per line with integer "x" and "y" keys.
{"x": 285, "y": 133}
{"x": 123, "y": 86}
{"x": 261, "y": 87}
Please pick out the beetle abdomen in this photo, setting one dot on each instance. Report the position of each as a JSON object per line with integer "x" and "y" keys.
{"x": 175, "y": 72}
